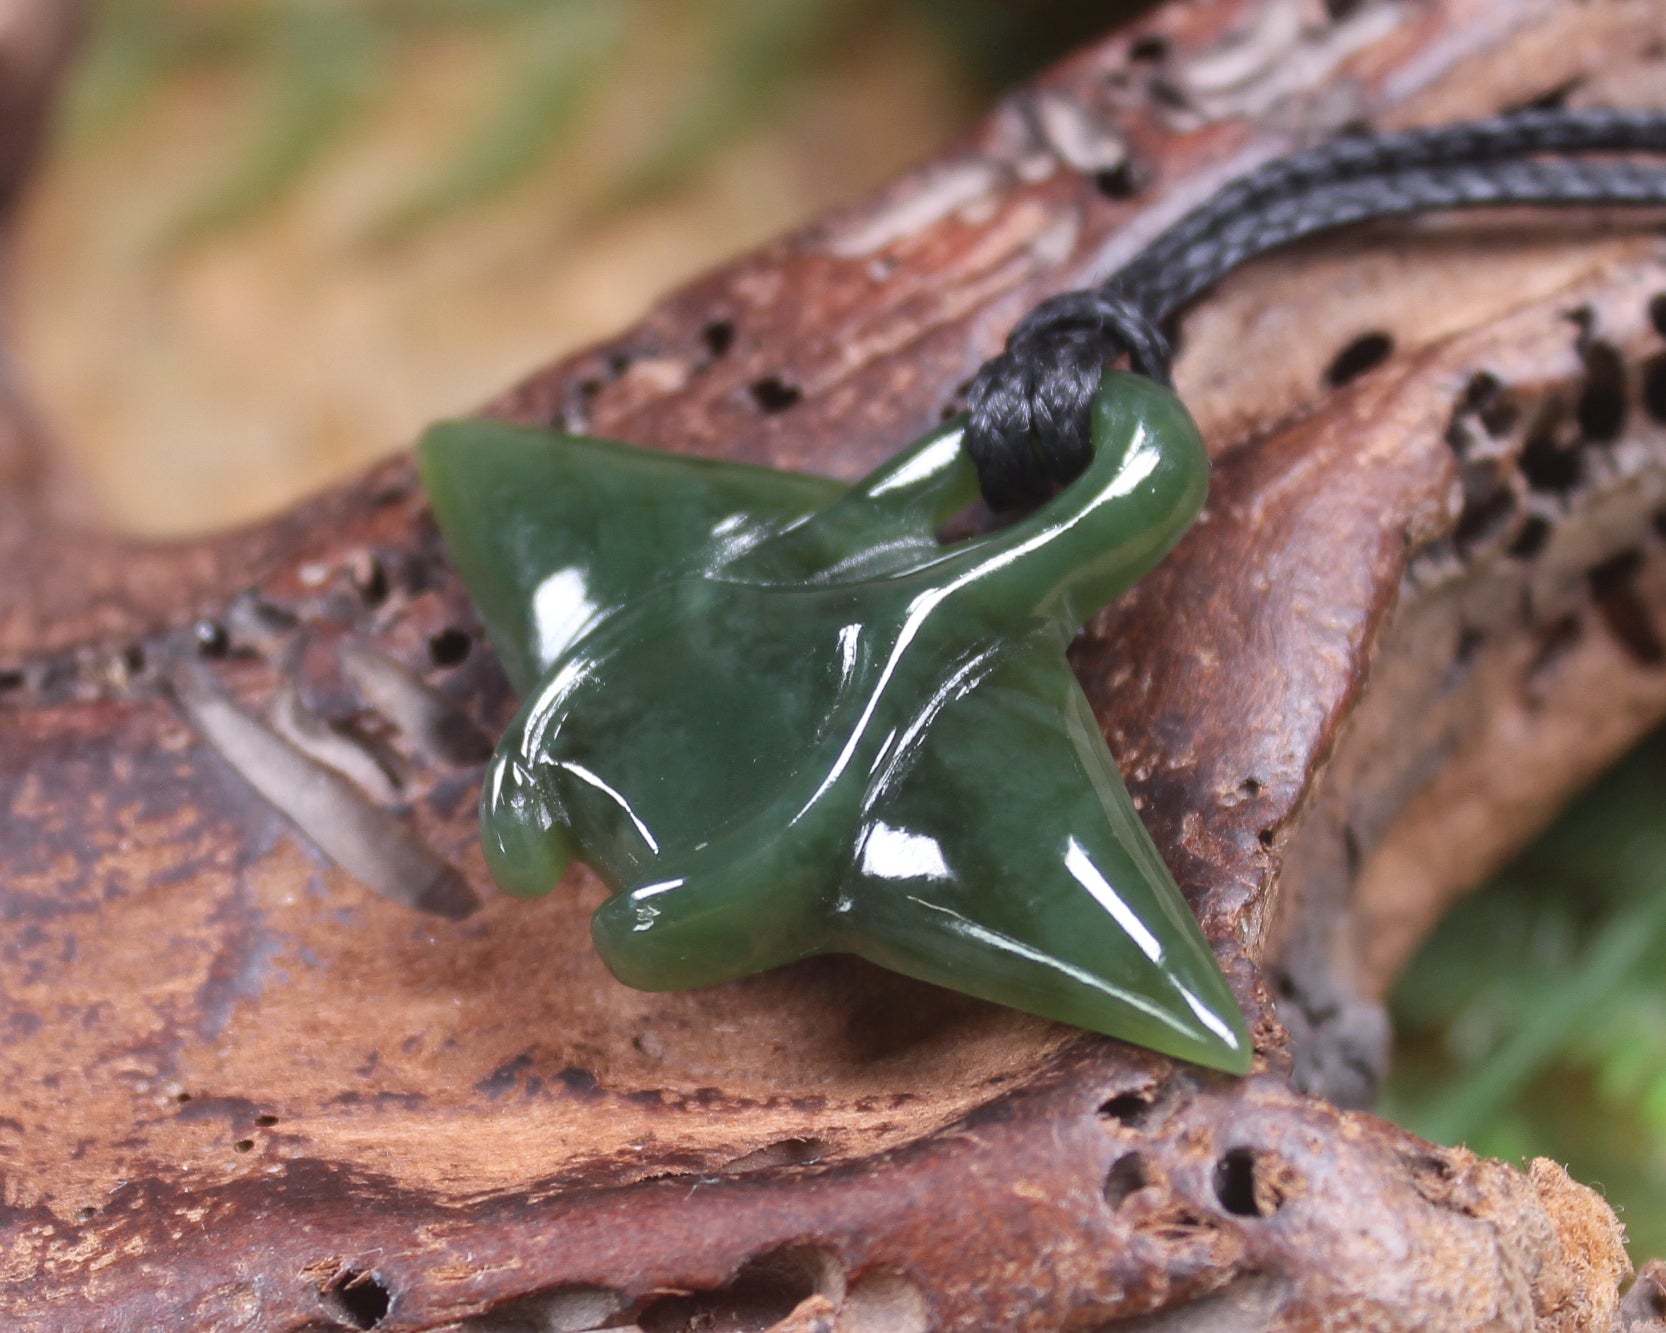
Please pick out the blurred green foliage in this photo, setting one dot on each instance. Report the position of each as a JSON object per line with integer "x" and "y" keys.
{"x": 1533, "y": 1021}
{"x": 312, "y": 65}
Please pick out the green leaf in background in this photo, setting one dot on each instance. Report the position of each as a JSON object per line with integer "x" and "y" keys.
{"x": 564, "y": 55}
{"x": 1533, "y": 1021}
{"x": 319, "y": 63}
{"x": 757, "y": 50}
{"x": 121, "y": 67}
{"x": 324, "y": 56}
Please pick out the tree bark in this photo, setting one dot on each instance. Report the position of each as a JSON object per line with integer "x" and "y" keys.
{"x": 243, "y": 1091}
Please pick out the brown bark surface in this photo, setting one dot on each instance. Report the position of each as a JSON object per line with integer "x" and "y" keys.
{"x": 244, "y": 1091}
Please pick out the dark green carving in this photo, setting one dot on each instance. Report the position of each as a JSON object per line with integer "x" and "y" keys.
{"x": 779, "y": 718}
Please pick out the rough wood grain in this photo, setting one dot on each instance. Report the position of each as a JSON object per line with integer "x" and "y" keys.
{"x": 242, "y": 1091}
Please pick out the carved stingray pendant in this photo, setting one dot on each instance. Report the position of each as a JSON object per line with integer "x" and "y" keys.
{"x": 779, "y": 717}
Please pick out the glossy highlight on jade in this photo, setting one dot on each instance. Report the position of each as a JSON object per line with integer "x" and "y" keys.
{"x": 779, "y": 717}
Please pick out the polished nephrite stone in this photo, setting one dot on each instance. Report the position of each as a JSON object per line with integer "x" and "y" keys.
{"x": 779, "y": 717}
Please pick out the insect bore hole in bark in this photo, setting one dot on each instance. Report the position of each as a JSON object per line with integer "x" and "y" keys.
{"x": 1533, "y": 537}
{"x": 718, "y": 337}
{"x": 1123, "y": 181}
{"x": 1152, "y": 49}
{"x": 1654, "y": 388}
{"x": 1601, "y": 410}
{"x": 1365, "y": 353}
{"x": 1623, "y": 610}
{"x": 773, "y": 394}
{"x": 1128, "y": 1109}
{"x": 1250, "y": 1183}
{"x": 1128, "y": 1176}
{"x": 450, "y": 647}
{"x": 1657, "y": 313}
{"x": 359, "y": 1300}
{"x": 212, "y": 639}
{"x": 1548, "y": 463}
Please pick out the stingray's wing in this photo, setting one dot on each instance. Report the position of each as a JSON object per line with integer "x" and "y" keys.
{"x": 550, "y": 529}
{"x": 1007, "y": 860}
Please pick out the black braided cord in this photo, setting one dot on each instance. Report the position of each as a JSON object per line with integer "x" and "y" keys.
{"x": 1028, "y": 407}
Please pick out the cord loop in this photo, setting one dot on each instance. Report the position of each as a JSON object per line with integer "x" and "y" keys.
{"x": 1028, "y": 428}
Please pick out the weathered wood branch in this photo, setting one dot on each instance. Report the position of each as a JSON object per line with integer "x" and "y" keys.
{"x": 1427, "y": 602}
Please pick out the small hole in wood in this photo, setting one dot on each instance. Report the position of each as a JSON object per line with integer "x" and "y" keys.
{"x": 11, "y": 679}
{"x": 360, "y": 1300}
{"x": 1152, "y": 49}
{"x": 773, "y": 394}
{"x": 1545, "y": 462}
{"x": 1489, "y": 504}
{"x": 1243, "y": 1187}
{"x": 1486, "y": 399}
{"x": 212, "y": 639}
{"x": 1654, "y": 388}
{"x": 1365, "y": 353}
{"x": 266, "y": 1121}
{"x": 449, "y": 647}
{"x": 243, "y": 1145}
{"x": 1532, "y": 539}
{"x": 1123, "y": 181}
{"x": 1128, "y": 1109}
{"x": 718, "y": 337}
{"x": 86, "y": 1214}
{"x": 1554, "y": 100}
{"x": 1657, "y": 313}
{"x": 1128, "y": 1176}
{"x": 1613, "y": 586}
{"x": 1601, "y": 410}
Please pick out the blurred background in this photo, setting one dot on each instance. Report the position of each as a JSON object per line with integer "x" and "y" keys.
{"x": 274, "y": 238}
{"x": 277, "y": 237}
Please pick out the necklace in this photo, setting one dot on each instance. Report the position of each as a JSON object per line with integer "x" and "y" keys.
{"x": 779, "y": 717}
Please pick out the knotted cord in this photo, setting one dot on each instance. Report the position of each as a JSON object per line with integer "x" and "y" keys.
{"x": 1028, "y": 406}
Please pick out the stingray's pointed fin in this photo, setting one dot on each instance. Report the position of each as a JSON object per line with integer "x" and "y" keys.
{"x": 1009, "y": 862}
{"x": 550, "y": 529}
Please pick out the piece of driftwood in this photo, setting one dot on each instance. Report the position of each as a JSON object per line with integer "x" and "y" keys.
{"x": 244, "y": 1090}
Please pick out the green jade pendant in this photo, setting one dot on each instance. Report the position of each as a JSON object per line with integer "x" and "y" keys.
{"x": 779, "y": 717}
